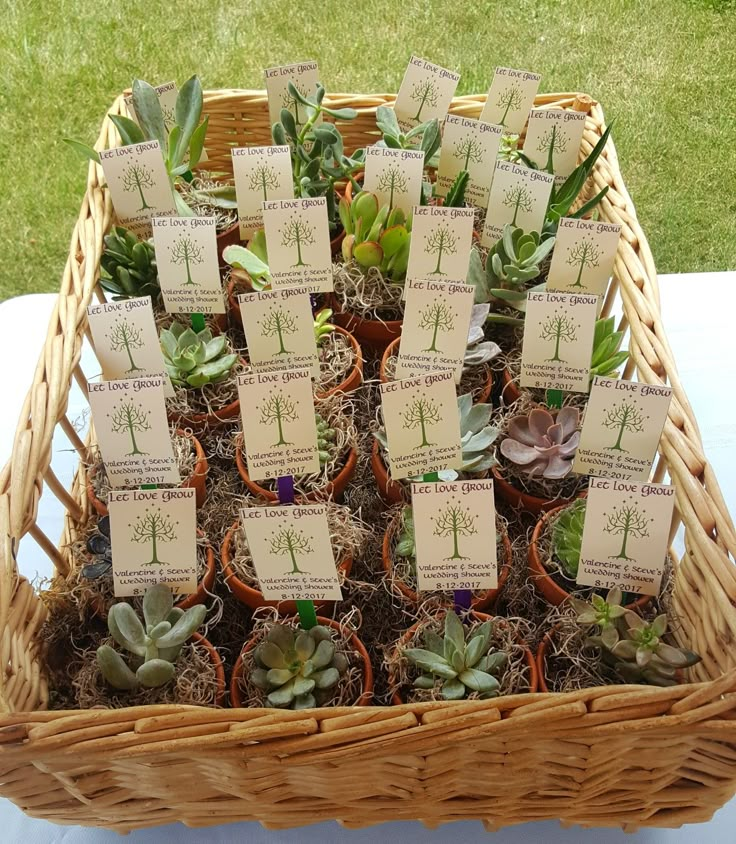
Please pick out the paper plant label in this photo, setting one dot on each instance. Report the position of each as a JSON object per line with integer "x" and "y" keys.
{"x": 455, "y": 530}
{"x": 621, "y": 429}
{"x": 422, "y": 424}
{"x": 435, "y": 331}
{"x": 132, "y": 431}
{"x": 625, "y": 535}
{"x": 441, "y": 239}
{"x": 470, "y": 145}
{"x": 261, "y": 173}
{"x": 304, "y": 76}
{"x": 298, "y": 243}
{"x": 153, "y": 536}
{"x": 292, "y": 552}
{"x": 582, "y": 261}
{"x": 519, "y": 195}
{"x": 395, "y": 176}
{"x": 510, "y": 97}
{"x": 558, "y": 341}
{"x": 279, "y": 427}
{"x": 188, "y": 268}
{"x": 426, "y": 92}
{"x": 558, "y": 130}
{"x": 279, "y": 328}
{"x": 139, "y": 185}
{"x": 126, "y": 340}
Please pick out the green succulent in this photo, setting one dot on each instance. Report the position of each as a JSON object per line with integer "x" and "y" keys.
{"x": 455, "y": 197}
{"x": 567, "y": 534}
{"x": 606, "y": 344}
{"x": 326, "y": 436}
{"x": 426, "y": 137}
{"x": 195, "y": 358}
{"x": 155, "y": 646}
{"x": 322, "y": 326}
{"x": 509, "y": 148}
{"x": 298, "y": 669}
{"x": 128, "y": 266}
{"x": 406, "y": 544}
{"x": 252, "y": 260}
{"x": 479, "y": 350}
{"x": 462, "y": 667}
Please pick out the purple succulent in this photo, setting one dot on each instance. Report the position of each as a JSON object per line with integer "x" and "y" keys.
{"x": 543, "y": 443}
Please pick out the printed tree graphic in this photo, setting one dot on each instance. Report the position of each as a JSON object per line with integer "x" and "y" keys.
{"x": 126, "y": 337}
{"x": 262, "y": 178}
{"x": 278, "y": 408}
{"x": 583, "y": 254}
{"x": 154, "y": 527}
{"x": 292, "y": 103}
{"x": 289, "y": 540}
{"x": 518, "y": 198}
{"x": 392, "y": 180}
{"x": 561, "y": 328}
{"x": 436, "y": 317}
{"x": 424, "y": 92}
{"x": 624, "y": 416}
{"x": 167, "y": 112}
{"x": 626, "y": 520}
{"x": 136, "y": 177}
{"x": 187, "y": 251}
{"x": 552, "y": 141}
{"x": 510, "y": 100}
{"x": 441, "y": 242}
{"x": 130, "y": 418}
{"x": 422, "y": 413}
{"x": 297, "y": 232}
{"x": 455, "y": 521}
{"x": 279, "y": 323}
{"x": 468, "y": 149}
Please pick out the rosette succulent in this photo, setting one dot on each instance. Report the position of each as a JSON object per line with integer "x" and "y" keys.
{"x": 567, "y": 535}
{"x": 128, "y": 266}
{"x": 542, "y": 442}
{"x": 195, "y": 358}
{"x": 376, "y": 236}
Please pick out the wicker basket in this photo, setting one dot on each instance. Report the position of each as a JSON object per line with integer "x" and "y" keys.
{"x": 630, "y": 756}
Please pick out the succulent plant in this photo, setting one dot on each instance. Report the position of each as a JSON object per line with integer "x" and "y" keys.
{"x": 508, "y": 150}
{"x": 128, "y": 266}
{"x": 322, "y": 325}
{"x": 250, "y": 261}
{"x": 298, "y": 669}
{"x": 463, "y": 667}
{"x": 425, "y": 137}
{"x": 516, "y": 259}
{"x": 100, "y": 548}
{"x": 603, "y": 613}
{"x": 479, "y": 350}
{"x": 543, "y": 442}
{"x": 606, "y": 344}
{"x": 326, "y": 436}
{"x": 155, "y": 646}
{"x": 567, "y": 534}
{"x": 455, "y": 196}
{"x": 195, "y": 358}
{"x": 405, "y": 543}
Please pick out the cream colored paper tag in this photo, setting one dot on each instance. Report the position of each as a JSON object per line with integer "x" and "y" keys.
{"x": 422, "y": 425}
{"x": 261, "y": 173}
{"x": 153, "y": 537}
{"x": 395, "y": 176}
{"x": 510, "y": 97}
{"x": 133, "y": 432}
{"x": 426, "y": 92}
{"x": 292, "y": 553}
{"x": 470, "y": 145}
{"x": 298, "y": 243}
{"x": 560, "y": 130}
{"x": 279, "y": 329}
{"x": 441, "y": 240}
{"x": 304, "y": 76}
{"x": 188, "y": 267}
{"x": 519, "y": 195}
{"x": 582, "y": 260}
{"x": 455, "y": 531}
{"x": 621, "y": 429}
{"x": 625, "y": 535}
{"x": 558, "y": 341}
{"x": 139, "y": 185}
{"x": 279, "y": 427}
{"x": 435, "y": 331}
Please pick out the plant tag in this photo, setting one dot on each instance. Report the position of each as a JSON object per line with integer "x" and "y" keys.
{"x": 426, "y": 93}
{"x": 582, "y": 260}
{"x": 260, "y": 173}
{"x": 279, "y": 329}
{"x": 126, "y": 341}
{"x": 304, "y": 76}
{"x": 441, "y": 240}
{"x": 470, "y": 145}
{"x": 510, "y": 97}
{"x": 621, "y": 429}
{"x": 455, "y": 534}
{"x": 435, "y": 331}
{"x": 395, "y": 176}
{"x": 558, "y": 341}
{"x": 298, "y": 243}
{"x": 559, "y": 130}
{"x": 133, "y": 432}
{"x": 422, "y": 424}
{"x": 188, "y": 268}
{"x": 139, "y": 185}
{"x": 519, "y": 195}
{"x": 279, "y": 427}
{"x": 625, "y": 535}
{"x": 292, "y": 552}
{"x": 153, "y": 540}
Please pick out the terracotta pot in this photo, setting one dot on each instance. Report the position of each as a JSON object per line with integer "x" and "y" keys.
{"x": 523, "y": 501}
{"x": 510, "y": 391}
{"x": 336, "y": 242}
{"x": 232, "y": 300}
{"x": 354, "y": 378}
{"x": 252, "y": 597}
{"x": 203, "y": 422}
{"x": 397, "y": 699}
{"x": 370, "y": 333}
{"x": 389, "y": 490}
{"x": 541, "y": 658}
{"x": 230, "y": 237}
{"x": 197, "y": 638}
{"x": 205, "y": 585}
{"x": 363, "y": 700}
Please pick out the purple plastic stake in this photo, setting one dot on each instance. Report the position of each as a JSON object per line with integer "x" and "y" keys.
{"x": 285, "y": 485}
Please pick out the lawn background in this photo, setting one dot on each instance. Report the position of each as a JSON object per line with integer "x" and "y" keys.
{"x": 664, "y": 69}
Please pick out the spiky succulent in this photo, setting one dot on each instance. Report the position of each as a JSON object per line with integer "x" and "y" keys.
{"x": 298, "y": 669}
{"x": 195, "y": 358}
{"x": 479, "y": 350}
{"x": 322, "y": 325}
{"x": 567, "y": 535}
{"x": 606, "y": 344}
{"x": 376, "y": 236}
{"x": 455, "y": 197}
{"x": 250, "y": 263}
{"x": 155, "y": 646}
{"x": 543, "y": 442}
{"x": 462, "y": 667}
{"x": 100, "y": 549}
{"x": 326, "y": 436}
{"x": 128, "y": 266}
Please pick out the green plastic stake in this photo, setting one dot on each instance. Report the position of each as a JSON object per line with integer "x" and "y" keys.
{"x": 198, "y": 322}
{"x": 554, "y": 398}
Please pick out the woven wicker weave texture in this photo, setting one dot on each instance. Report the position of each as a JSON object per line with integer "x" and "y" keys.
{"x": 629, "y": 756}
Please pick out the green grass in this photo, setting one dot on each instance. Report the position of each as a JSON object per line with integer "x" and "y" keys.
{"x": 664, "y": 69}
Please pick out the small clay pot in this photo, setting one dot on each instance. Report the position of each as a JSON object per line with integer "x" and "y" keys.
{"x": 541, "y": 658}
{"x": 197, "y": 638}
{"x": 358, "y": 646}
{"x": 203, "y": 422}
{"x": 510, "y": 391}
{"x": 390, "y": 490}
{"x": 523, "y": 501}
{"x": 205, "y": 585}
{"x": 230, "y": 237}
{"x": 354, "y": 378}
{"x": 372, "y": 334}
{"x": 233, "y": 305}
